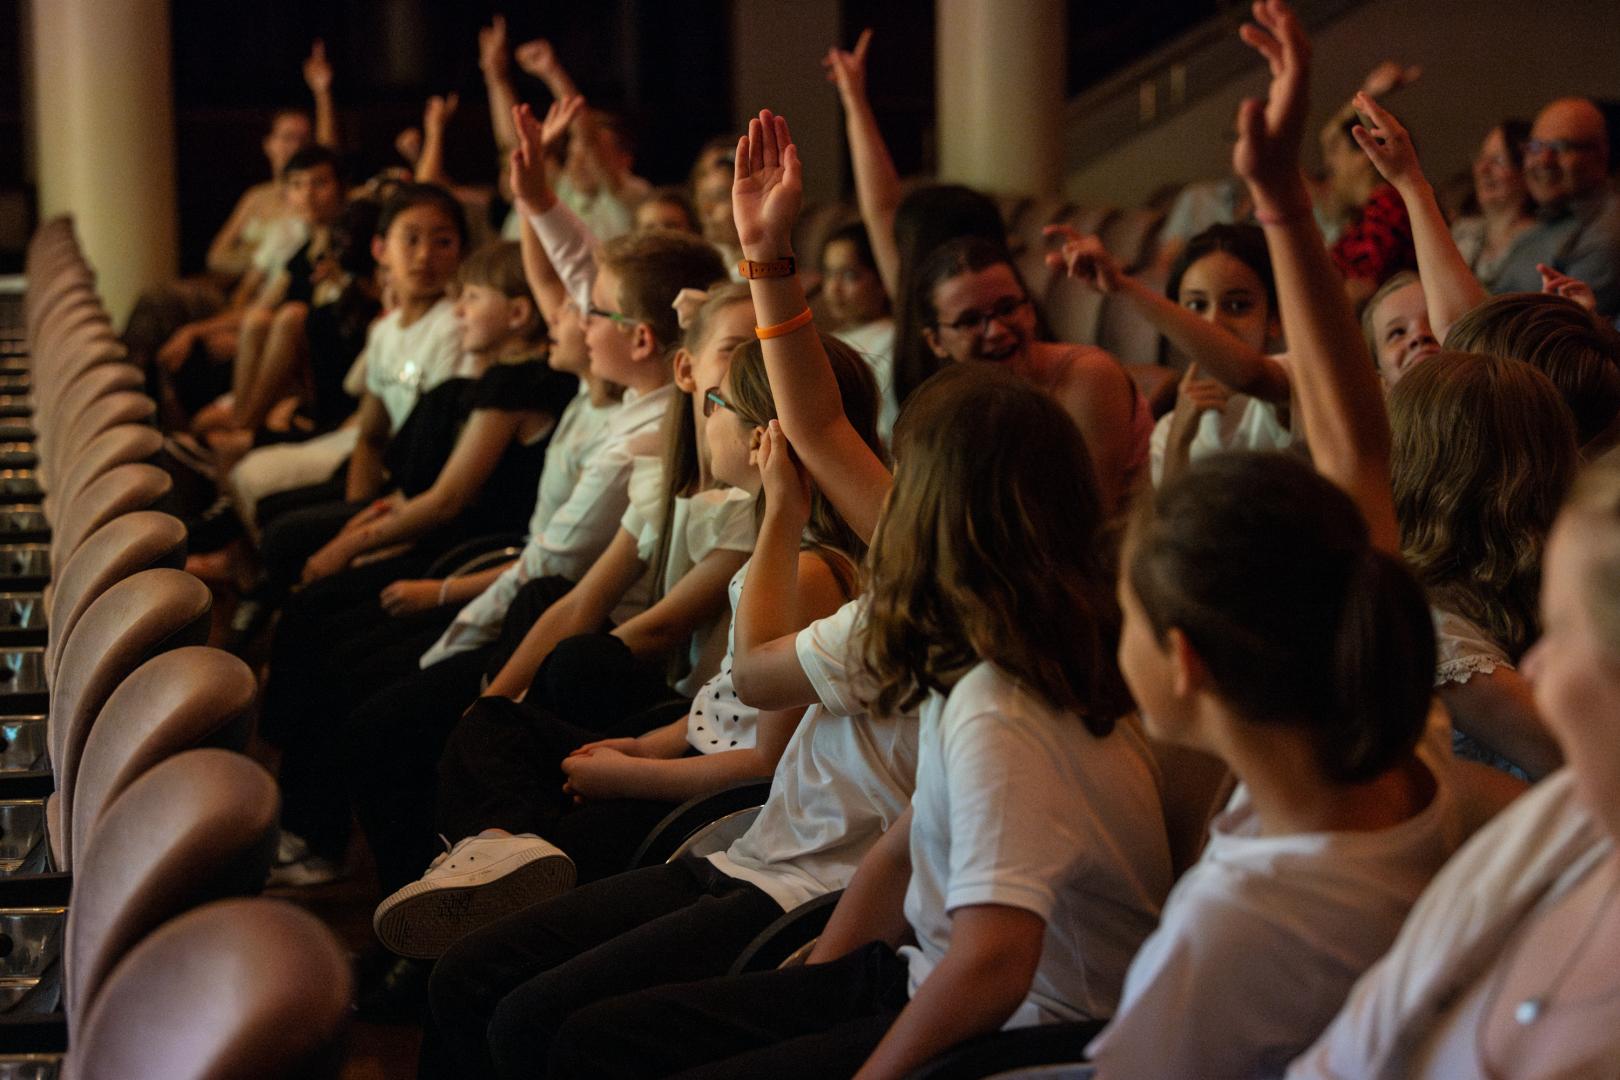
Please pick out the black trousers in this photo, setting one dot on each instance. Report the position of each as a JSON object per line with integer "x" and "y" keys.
{"x": 816, "y": 1021}
{"x": 334, "y": 648}
{"x": 504, "y": 990}
{"x": 502, "y": 765}
{"x": 390, "y": 743}
{"x": 292, "y": 536}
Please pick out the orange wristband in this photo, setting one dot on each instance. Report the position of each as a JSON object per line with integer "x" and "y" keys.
{"x": 802, "y": 319}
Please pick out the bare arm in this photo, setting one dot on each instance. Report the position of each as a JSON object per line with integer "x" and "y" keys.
{"x": 227, "y": 254}
{"x": 697, "y": 598}
{"x": 436, "y": 115}
{"x": 1340, "y": 401}
{"x": 765, "y": 666}
{"x": 365, "y": 478}
{"x": 613, "y": 774}
{"x": 318, "y": 77}
{"x": 1449, "y": 286}
{"x": 873, "y": 905}
{"x": 1499, "y": 710}
{"x": 477, "y": 451}
{"x": 983, "y": 977}
{"x": 877, "y": 184}
{"x": 582, "y": 610}
{"x": 1100, "y": 398}
{"x": 766, "y": 194}
{"x": 1219, "y": 353}
{"x": 492, "y": 61}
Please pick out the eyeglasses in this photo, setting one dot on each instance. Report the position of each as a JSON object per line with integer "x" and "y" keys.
{"x": 1534, "y": 147}
{"x": 712, "y": 401}
{"x": 1000, "y": 311}
{"x": 618, "y": 318}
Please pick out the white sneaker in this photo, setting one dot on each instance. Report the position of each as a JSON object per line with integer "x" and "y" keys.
{"x": 477, "y": 881}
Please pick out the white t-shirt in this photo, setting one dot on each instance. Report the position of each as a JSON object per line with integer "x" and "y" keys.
{"x": 875, "y": 342}
{"x": 1263, "y": 938}
{"x": 1414, "y": 1015}
{"x": 1246, "y": 423}
{"x": 718, "y": 720}
{"x": 843, "y": 779}
{"x": 584, "y": 490}
{"x": 404, "y": 362}
{"x": 1463, "y": 649}
{"x": 719, "y": 519}
{"x": 1017, "y": 804}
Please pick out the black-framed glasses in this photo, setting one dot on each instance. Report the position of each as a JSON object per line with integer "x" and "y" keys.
{"x": 712, "y": 401}
{"x": 1000, "y": 311}
{"x": 1533, "y": 147}
{"x": 617, "y": 318}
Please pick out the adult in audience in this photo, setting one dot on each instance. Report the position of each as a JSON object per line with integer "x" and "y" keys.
{"x": 1501, "y": 209}
{"x": 1577, "y": 229}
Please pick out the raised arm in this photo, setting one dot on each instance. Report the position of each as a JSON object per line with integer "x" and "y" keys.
{"x": 542, "y": 277}
{"x": 877, "y": 185}
{"x": 1449, "y": 286}
{"x": 566, "y": 240}
{"x": 436, "y": 116}
{"x": 765, "y": 666}
{"x": 1339, "y": 398}
{"x": 767, "y": 191}
{"x": 318, "y": 77}
{"x": 492, "y": 61}
{"x": 1219, "y": 353}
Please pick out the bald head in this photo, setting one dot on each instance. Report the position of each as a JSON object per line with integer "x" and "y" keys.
{"x": 1568, "y": 153}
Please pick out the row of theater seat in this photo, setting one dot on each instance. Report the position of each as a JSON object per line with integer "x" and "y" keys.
{"x": 134, "y": 834}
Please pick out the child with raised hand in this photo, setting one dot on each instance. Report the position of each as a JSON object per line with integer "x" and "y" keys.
{"x": 502, "y": 991}
{"x": 1220, "y": 310}
{"x": 1033, "y": 858}
{"x": 1269, "y": 621}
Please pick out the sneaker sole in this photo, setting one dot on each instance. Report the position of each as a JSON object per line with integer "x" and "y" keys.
{"x": 425, "y": 918}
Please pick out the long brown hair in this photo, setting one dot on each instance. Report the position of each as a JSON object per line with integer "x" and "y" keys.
{"x": 751, "y": 394}
{"x": 1483, "y": 450}
{"x": 990, "y": 549}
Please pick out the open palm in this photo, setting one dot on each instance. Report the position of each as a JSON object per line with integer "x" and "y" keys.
{"x": 767, "y": 187}
{"x": 1269, "y": 132}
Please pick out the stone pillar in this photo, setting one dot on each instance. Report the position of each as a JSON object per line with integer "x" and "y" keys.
{"x": 103, "y": 124}
{"x": 1000, "y": 75}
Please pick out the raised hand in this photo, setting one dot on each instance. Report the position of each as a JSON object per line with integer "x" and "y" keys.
{"x": 767, "y": 188}
{"x": 1194, "y": 398}
{"x": 492, "y": 47}
{"x": 409, "y": 144}
{"x": 846, "y": 69}
{"x": 317, "y": 70}
{"x": 1387, "y": 143}
{"x": 1388, "y": 76}
{"x": 1084, "y": 258}
{"x": 560, "y": 116}
{"x": 539, "y": 59}
{"x": 438, "y": 111}
{"x": 528, "y": 162}
{"x": 1559, "y": 283}
{"x": 1270, "y": 131}
{"x": 785, "y": 483}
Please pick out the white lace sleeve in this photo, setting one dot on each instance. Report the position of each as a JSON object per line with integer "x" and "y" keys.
{"x": 1463, "y": 650}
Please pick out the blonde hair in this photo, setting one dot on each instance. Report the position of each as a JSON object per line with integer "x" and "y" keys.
{"x": 1369, "y": 310}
